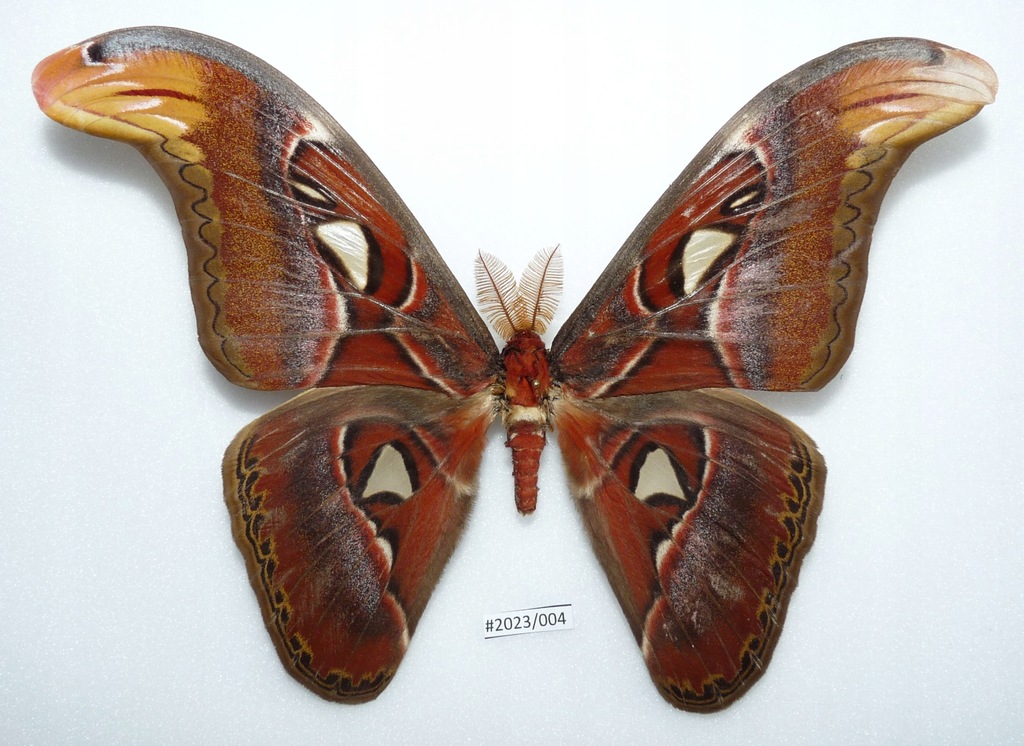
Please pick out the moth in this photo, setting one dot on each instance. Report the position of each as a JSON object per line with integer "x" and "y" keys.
{"x": 308, "y": 272}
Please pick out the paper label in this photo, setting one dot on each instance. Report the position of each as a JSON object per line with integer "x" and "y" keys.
{"x": 525, "y": 621}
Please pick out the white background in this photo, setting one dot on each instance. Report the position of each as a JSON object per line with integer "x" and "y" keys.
{"x": 127, "y": 612}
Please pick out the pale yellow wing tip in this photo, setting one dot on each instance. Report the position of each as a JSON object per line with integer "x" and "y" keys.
{"x": 49, "y": 76}
{"x": 975, "y": 77}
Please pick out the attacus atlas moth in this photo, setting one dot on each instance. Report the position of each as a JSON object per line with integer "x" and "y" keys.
{"x": 308, "y": 272}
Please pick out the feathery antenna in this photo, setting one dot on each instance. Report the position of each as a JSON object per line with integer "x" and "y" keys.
{"x": 511, "y": 307}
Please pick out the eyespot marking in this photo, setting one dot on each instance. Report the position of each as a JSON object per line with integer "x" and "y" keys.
{"x": 750, "y": 196}
{"x": 312, "y": 195}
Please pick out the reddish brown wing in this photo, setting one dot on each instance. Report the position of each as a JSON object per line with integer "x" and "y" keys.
{"x": 346, "y": 504}
{"x": 749, "y": 271}
{"x": 700, "y": 505}
{"x": 306, "y": 268}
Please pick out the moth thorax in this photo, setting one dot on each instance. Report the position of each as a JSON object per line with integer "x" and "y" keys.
{"x": 527, "y": 375}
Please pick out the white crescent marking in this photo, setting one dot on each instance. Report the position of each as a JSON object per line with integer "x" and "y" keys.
{"x": 658, "y": 477}
{"x": 389, "y": 475}
{"x": 701, "y": 250}
{"x": 346, "y": 240}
